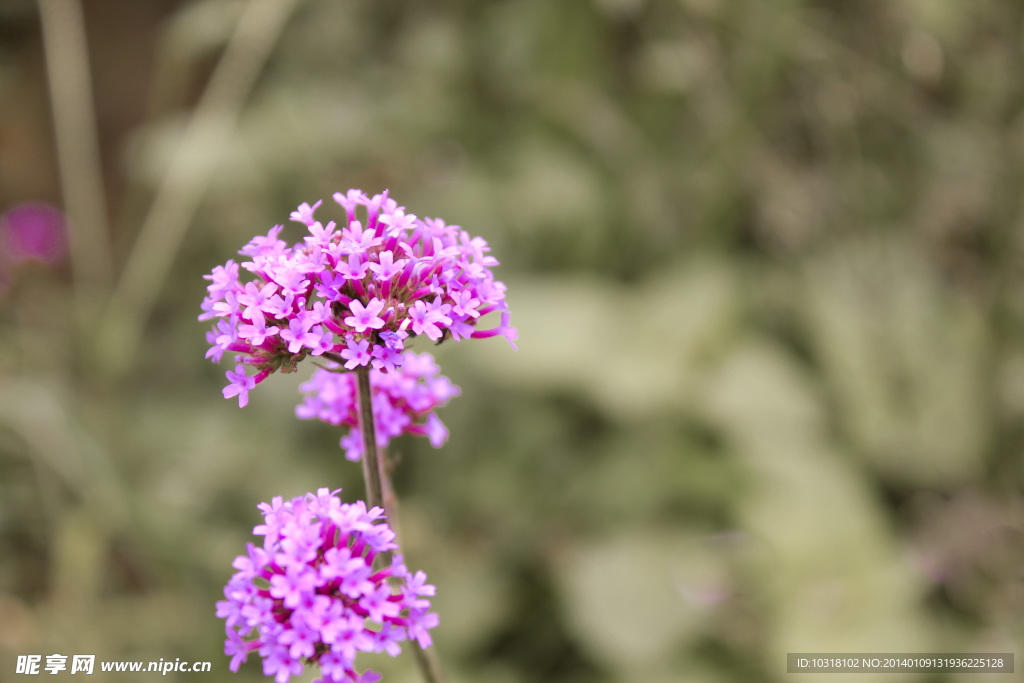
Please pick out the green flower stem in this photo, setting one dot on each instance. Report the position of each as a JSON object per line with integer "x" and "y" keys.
{"x": 426, "y": 660}
{"x": 377, "y": 480}
{"x": 372, "y": 465}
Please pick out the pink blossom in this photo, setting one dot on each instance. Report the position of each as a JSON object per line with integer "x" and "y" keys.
{"x": 33, "y": 232}
{"x": 240, "y": 385}
{"x": 365, "y": 317}
{"x": 355, "y": 268}
{"x": 356, "y": 354}
{"x": 304, "y": 214}
{"x": 387, "y": 268}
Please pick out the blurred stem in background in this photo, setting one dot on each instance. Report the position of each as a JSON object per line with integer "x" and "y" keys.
{"x": 181, "y": 188}
{"x": 78, "y": 153}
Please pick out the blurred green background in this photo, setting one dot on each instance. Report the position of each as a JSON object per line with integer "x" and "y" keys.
{"x": 765, "y": 259}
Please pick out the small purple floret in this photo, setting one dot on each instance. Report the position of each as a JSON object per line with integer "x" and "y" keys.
{"x": 240, "y": 385}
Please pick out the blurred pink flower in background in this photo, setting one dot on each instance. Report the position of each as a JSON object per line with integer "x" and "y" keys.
{"x": 33, "y": 232}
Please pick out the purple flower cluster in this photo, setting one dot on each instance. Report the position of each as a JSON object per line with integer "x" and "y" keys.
{"x": 403, "y": 402}
{"x": 359, "y": 291}
{"x": 311, "y": 594}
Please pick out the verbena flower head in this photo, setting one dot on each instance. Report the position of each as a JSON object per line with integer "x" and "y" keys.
{"x": 361, "y": 290}
{"x": 403, "y": 401}
{"x": 310, "y": 594}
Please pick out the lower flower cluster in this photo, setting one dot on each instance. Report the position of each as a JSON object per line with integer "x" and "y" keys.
{"x": 403, "y": 402}
{"x": 311, "y": 594}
